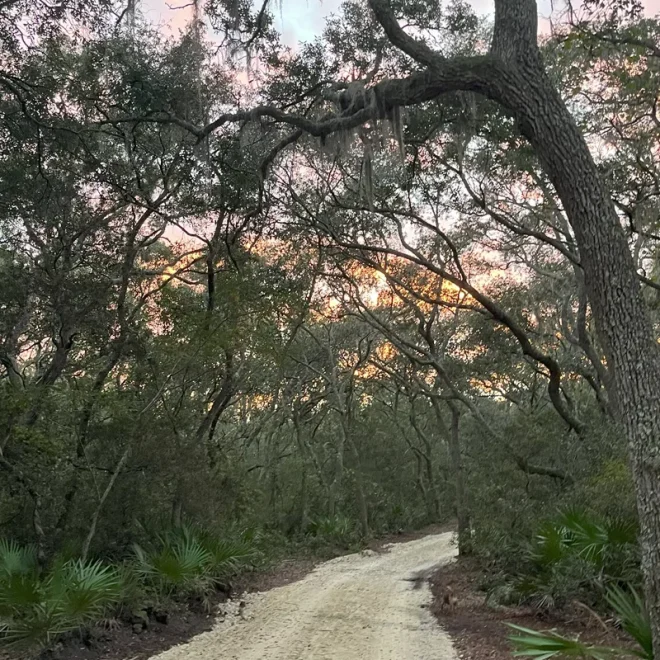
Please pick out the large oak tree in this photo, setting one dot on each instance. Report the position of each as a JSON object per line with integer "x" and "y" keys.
{"x": 513, "y": 75}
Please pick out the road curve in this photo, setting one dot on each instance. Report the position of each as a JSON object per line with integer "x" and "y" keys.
{"x": 351, "y": 608}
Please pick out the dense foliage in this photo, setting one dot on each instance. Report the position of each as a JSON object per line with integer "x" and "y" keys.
{"x": 367, "y": 332}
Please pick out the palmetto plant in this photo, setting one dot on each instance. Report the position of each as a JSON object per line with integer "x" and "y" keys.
{"x": 579, "y": 533}
{"x": 16, "y": 559}
{"x": 606, "y": 550}
{"x": 577, "y": 554}
{"x": 633, "y": 618}
{"x": 83, "y": 590}
{"x": 629, "y": 609}
{"x": 227, "y": 555}
{"x": 191, "y": 559}
{"x": 178, "y": 563}
{"x": 335, "y": 528}
{"x": 544, "y": 645}
{"x": 19, "y": 578}
{"x": 36, "y": 608}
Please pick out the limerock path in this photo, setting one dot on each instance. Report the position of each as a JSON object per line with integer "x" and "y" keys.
{"x": 352, "y": 608}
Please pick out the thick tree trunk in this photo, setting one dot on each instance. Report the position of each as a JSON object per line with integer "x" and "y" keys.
{"x": 614, "y": 293}
{"x": 622, "y": 321}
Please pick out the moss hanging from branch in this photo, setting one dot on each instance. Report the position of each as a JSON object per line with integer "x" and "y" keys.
{"x": 367, "y": 176}
{"x": 397, "y": 129}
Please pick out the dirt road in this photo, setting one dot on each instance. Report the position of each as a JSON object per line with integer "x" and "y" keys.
{"x": 352, "y": 608}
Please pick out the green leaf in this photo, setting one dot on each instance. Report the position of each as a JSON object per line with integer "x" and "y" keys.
{"x": 16, "y": 559}
{"x": 83, "y": 590}
{"x": 544, "y": 645}
{"x": 631, "y": 611}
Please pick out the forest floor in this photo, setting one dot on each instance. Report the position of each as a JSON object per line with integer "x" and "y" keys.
{"x": 479, "y": 631}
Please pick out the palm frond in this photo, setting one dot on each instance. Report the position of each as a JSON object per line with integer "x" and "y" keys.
{"x": 83, "y": 590}
{"x": 545, "y": 645}
{"x": 634, "y": 617}
{"x": 16, "y": 559}
{"x": 18, "y": 592}
{"x": 39, "y": 627}
{"x": 177, "y": 562}
{"x": 550, "y": 544}
{"x": 227, "y": 556}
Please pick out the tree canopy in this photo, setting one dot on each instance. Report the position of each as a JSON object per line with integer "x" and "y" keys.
{"x": 405, "y": 272}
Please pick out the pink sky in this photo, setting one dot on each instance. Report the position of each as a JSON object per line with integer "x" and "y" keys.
{"x": 302, "y": 20}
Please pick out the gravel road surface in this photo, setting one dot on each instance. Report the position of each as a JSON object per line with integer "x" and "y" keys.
{"x": 366, "y": 606}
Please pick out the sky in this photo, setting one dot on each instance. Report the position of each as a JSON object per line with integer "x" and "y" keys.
{"x": 302, "y": 20}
